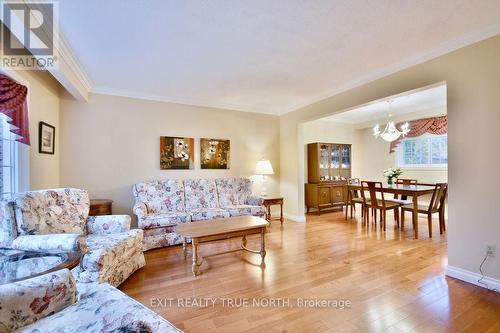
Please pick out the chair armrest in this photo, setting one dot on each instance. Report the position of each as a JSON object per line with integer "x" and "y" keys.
{"x": 255, "y": 201}
{"x": 26, "y": 301}
{"x": 108, "y": 224}
{"x": 140, "y": 210}
{"x": 62, "y": 242}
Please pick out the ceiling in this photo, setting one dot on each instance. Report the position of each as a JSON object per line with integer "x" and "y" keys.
{"x": 433, "y": 99}
{"x": 260, "y": 55}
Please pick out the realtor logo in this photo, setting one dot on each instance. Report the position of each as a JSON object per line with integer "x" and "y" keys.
{"x": 28, "y": 35}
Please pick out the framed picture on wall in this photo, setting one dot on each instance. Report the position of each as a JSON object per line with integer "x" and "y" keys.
{"x": 46, "y": 138}
{"x": 176, "y": 153}
{"x": 214, "y": 153}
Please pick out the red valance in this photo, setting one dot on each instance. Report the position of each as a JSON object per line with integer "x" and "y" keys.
{"x": 435, "y": 125}
{"x": 13, "y": 104}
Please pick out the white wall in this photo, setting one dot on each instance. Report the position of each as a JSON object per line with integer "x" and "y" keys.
{"x": 110, "y": 143}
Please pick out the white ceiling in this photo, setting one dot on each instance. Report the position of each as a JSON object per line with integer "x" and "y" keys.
{"x": 260, "y": 55}
{"x": 427, "y": 99}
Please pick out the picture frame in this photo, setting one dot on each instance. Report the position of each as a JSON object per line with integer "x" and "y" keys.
{"x": 46, "y": 138}
{"x": 214, "y": 153}
{"x": 176, "y": 153}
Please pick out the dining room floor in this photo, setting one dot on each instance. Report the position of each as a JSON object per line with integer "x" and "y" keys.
{"x": 395, "y": 283}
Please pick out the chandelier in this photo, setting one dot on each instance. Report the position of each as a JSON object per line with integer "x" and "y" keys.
{"x": 390, "y": 132}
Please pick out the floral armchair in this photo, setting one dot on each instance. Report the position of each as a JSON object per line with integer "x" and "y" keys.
{"x": 58, "y": 219}
{"x": 54, "y": 303}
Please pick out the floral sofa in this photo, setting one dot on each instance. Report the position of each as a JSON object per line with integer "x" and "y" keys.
{"x": 55, "y": 303}
{"x": 160, "y": 205}
{"x": 58, "y": 219}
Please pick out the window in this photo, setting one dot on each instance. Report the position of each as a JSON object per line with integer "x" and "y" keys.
{"x": 8, "y": 159}
{"x": 427, "y": 151}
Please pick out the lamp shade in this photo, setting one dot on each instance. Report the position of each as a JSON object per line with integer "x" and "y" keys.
{"x": 264, "y": 167}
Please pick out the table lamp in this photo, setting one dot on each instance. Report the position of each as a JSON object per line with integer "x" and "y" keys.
{"x": 264, "y": 168}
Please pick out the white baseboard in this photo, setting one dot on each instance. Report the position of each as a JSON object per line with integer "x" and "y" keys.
{"x": 295, "y": 218}
{"x": 472, "y": 277}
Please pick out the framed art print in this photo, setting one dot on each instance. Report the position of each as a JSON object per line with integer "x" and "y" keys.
{"x": 176, "y": 153}
{"x": 46, "y": 138}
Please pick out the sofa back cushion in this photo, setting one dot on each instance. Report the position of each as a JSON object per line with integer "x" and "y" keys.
{"x": 161, "y": 196}
{"x": 200, "y": 193}
{"x": 233, "y": 191}
{"x": 26, "y": 301}
{"x": 62, "y": 210}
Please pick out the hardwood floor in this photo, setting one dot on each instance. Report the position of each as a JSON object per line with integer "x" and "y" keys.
{"x": 394, "y": 282}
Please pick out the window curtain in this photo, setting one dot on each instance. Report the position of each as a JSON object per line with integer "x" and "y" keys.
{"x": 13, "y": 104}
{"x": 435, "y": 125}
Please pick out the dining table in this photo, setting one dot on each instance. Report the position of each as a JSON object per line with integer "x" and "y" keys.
{"x": 413, "y": 191}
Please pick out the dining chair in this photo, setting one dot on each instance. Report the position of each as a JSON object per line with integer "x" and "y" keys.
{"x": 436, "y": 205}
{"x": 377, "y": 204}
{"x": 353, "y": 197}
{"x": 405, "y": 182}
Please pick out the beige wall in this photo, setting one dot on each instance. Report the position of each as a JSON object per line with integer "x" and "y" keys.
{"x": 473, "y": 104}
{"x": 39, "y": 171}
{"x": 110, "y": 143}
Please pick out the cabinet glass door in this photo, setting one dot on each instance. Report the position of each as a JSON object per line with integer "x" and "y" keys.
{"x": 335, "y": 162}
{"x": 346, "y": 161}
{"x": 324, "y": 162}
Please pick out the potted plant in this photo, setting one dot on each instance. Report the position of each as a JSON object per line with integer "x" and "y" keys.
{"x": 392, "y": 173}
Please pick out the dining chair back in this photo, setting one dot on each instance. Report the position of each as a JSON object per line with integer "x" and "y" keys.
{"x": 438, "y": 197}
{"x": 404, "y": 182}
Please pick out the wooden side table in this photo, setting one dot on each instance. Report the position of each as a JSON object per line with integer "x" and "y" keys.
{"x": 100, "y": 207}
{"x": 268, "y": 202}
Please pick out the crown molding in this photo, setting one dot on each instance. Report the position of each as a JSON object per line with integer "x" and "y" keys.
{"x": 166, "y": 99}
{"x": 442, "y": 49}
{"x": 68, "y": 55}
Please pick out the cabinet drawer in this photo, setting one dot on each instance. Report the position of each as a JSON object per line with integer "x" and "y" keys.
{"x": 324, "y": 195}
{"x": 337, "y": 194}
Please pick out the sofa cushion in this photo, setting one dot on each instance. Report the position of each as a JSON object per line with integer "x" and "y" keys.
{"x": 26, "y": 301}
{"x": 52, "y": 211}
{"x": 200, "y": 194}
{"x": 163, "y": 220}
{"x": 111, "y": 250}
{"x": 101, "y": 309}
{"x": 161, "y": 196}
{"x": 208, "y": 214}
{"x": 233, "y": 191}
{"x": 241, "y": 210}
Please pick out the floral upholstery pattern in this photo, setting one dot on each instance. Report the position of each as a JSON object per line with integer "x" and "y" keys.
{"x": 163, "y": 220}
{"x": 63, "y": 242}
{"x": 242, "y": 210}
{"x": 200, "y": 194}
{"x": 204, "y": 199}
{"x": 24, "y": 302}
{"x": 52, "y": 211}
{"x": 160, "y": 237}
{"x": 52, "y": 219}
{"x": 233, "y": 191}
{"x": 8, "y": 230}
{"x": 161, "y": 195}
{"x": 111, "y": 257}
{"x": 102, "y": 309}
{"x": 108, "y": 224}
{"x": 208, "y": 214}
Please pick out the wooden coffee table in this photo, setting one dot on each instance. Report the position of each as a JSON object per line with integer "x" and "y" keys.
{"x": 208, "y": 231}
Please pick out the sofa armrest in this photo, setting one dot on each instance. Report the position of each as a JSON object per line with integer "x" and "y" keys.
{"x": 108, "y": 224}
{"x": 26, "y": 301}
{"x": 140, "y": 210}
{"x": 62, "y": 242}
{"x": 255, "y": 201}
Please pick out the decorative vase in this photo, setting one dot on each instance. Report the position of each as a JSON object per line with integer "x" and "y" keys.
{"x": 390, "y": 181}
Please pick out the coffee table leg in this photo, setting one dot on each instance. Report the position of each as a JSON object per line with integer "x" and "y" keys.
{"x": 244, "y": 241}
{"x": 194, "y": 266}
{"x": 184, "y": 249}
{"x": 263, "y": 244}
